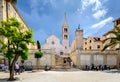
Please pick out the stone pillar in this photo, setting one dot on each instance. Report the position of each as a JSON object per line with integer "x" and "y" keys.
{"x": 53, "y": 57}
{"x": 105, "y": 59}
{"x": 118, "y": 59}
{"x": 91, "y": 58}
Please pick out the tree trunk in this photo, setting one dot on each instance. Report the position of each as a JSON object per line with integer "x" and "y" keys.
{"x": 38, "y": 63}
{"x": 11, "y": 74}
{"x": 11, "y": 78}
{"x": 9, "y": 62}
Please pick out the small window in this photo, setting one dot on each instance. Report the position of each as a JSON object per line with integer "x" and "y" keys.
{"x": 85, "y": 43}
{"x": 90, "y": 47}
{"x": 118, "y": 21}
{"x": 90, "y": 41}
{"x": 9, "y": 8}
{"x": 98, "y": 46}
{"x": 65, "y": 30}
{"x": 65, "y": 37}
{"x": 98, "y": 39}
{"x": 61, "y": 53}
{"x": 53, "y": 42}
{"x": 15, "y": 15}
{"x": 65, "y": 47}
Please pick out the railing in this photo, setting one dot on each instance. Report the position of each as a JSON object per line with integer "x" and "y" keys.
{"x": 96, "y": 51}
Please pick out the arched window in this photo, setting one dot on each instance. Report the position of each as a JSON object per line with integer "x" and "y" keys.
{"x": 53, "y": 42}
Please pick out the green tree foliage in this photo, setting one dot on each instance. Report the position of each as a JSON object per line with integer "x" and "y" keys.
{"x": 113, "y": 41}
{"x": 38, "y": 54}
{"x": 38, "y": 45}
{"x": 15, "y": 42}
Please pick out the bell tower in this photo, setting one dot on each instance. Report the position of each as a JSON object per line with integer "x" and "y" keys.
{"x": 79, "y": 38}
{"x": 65, "y": 34}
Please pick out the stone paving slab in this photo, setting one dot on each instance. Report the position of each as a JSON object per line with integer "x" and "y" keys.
{"x": 60, "y": 76}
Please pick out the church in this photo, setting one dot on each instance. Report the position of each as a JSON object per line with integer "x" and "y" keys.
{"x": 62, "y": 51}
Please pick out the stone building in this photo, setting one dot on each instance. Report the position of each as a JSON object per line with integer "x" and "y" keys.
{"x": 92, "y": 43}
{"x": 87, "y": 51}
{"x": 12, "y": 12}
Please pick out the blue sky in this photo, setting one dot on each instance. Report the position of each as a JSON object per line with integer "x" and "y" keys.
{"x": 46, "y": 16}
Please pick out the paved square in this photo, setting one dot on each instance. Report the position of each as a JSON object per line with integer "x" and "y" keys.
{"x": 60, "y": 76}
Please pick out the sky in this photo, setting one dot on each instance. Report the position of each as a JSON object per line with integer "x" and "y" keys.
{"x": 46, "y": 17}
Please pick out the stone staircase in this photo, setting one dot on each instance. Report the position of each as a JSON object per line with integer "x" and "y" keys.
{"x": 64, "y": 68}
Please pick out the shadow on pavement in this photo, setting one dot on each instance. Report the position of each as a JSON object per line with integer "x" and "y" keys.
{"x": 5, "y": 80}
{"x": 112, "y": 71}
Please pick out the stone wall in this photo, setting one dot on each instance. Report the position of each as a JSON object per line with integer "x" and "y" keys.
{"x": 82, "y": 58}
{"x": 47, "y": 59}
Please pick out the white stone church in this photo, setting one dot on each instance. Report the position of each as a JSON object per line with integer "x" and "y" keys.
{"x": 54, "y": 42}
{"x": 61, "y": 51}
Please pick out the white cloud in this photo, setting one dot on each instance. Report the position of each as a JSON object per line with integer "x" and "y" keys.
{"x": 102, "y": 23}
{"x": 97, "y": 7}
{"x": 100, "y": 13}
{"x": 97, "y": 4}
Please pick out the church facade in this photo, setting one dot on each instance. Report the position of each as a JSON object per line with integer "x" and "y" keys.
{"x": 61, "y": 50}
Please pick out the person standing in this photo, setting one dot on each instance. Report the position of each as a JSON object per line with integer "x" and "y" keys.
{"x": 71, "y": 63}
{"x": 17, "y": 69}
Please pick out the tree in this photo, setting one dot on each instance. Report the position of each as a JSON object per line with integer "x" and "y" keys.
{"x": 38, "y": 55}
{"x": 16, "y": 42}
{"x": 113, "y": 41}
{"x": 38, "y": 45}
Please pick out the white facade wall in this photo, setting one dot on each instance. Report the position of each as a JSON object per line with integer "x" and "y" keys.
{"x": 57, "y": 46}
{"x": 98, "y": 60}
{"x": 84, "y": 59}
{"x": 111, "y": 60}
